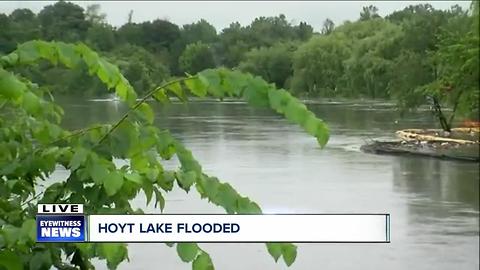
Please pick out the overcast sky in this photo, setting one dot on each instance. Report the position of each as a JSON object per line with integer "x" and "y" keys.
{"x": 221, "y": 14}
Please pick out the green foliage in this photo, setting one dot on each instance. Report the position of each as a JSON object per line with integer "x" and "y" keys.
{"x": 202, "y": 262}
{"x": 328, "y": 27}
{"x": 318, "y": 64}
{"x": 199, "y": 31}
{"x": 63, "y": 21}
{"x": 274, "y": 64}
{"x": 143, "y": 69}
{"x": 368, "y": 13}
{"x": 235, "y": 41}
{"x": 187, "y": 251}
{"x": 368, "y": 70}
{"x": 441, "y": 65}
{"x": 196, "y": 57}
{"x": 33, "y": 144}
{"x": 101, "y": 37}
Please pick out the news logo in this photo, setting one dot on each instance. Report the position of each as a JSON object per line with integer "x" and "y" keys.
{"x": 61, "y": 223}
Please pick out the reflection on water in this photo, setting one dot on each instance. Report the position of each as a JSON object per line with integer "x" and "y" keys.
{"x": 434, "y": 205}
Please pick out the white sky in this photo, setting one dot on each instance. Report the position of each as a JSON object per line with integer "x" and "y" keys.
{"x": 222, "y": 13}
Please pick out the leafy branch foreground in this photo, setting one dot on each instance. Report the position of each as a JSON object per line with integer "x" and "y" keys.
{"x": 33, "y": 145}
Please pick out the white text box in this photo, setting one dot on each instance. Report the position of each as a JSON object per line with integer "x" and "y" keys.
{"x": 240, "y": 228}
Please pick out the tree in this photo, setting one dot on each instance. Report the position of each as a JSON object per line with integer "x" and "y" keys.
{"x": 439, "y": 61}
{"x": 273, "y": 64}
{"x": 368, "y": 13}
{"x": 130, "y": 16}
{"x": 33, "y": 144}
{"x": 265, "y": 31}
{"x": 233, "y": 44}
{"x": 421, "y": 25}
{"x": 196, "y": 57}
{"x": 101, "y": 36}
{"x": 23, "y": 25}
{"x": 7, "y": 42}
{"x": 199, "y": 31}
{"x": 369, "y": 69}
{"x": 159, "y": 35}
{"x": 63, "y": 21}
{"x": 318, "y": 65}
{"x": 131, "y": 33}
{"x": 235, "y": 41}
{"x": 93, "y": 14}
{"x": 457, "y": 73}
{"x": 328, "y": 27}
{"x": 304, "y": 31}
{"x": 143, "y": 69}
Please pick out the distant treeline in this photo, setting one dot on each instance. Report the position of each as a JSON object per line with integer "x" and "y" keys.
{"x": 372, "y": 57}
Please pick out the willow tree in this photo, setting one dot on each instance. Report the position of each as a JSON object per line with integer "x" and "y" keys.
{"x": 443, "y": 70}
{"x": 33, "y": 145}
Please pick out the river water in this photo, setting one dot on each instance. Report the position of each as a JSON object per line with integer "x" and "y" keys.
{"x": 434, "y": 204}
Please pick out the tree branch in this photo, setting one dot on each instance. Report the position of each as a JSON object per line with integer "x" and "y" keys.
{"x": 140, "y": 102}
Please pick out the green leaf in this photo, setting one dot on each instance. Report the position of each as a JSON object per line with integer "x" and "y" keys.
{"x": 317, "y": 128}
{"x": 187, "y": 251}
{"x": 161, "y": 96}
{"x": 159, "y": 200}
{"x": 256, "y": 93}
{"x": 41, "y": 260}
{"x": 186, "y": 179}
{"x": 28, "y": 230}
{"x": 186, "y": 159}
{"x": 139, "y": 163}
{"x": 166, "y": 180}
{"x": 31, "y": 103}
{"x": 275, "y": 250}
{"x": 227, "y": 197}
{"x": 210, "y": 186}
{"x": 89, "y": 57}
{"x": 10, "y": 59}
{"x": 11, "y": 87}
{"x": 134, "y": 177}
{"x": 10, "y": 260}
{"x": 125, "y": 92}
{"x": 322, "y": 134}
{"x": 67, "y": 54}
{"x": 28, "y": 52}
{"x": 146, "y": 112}
{"x": 176, "y": 88}
{"x": 148, "y": 190}
{"x": 289, "y": 253}
{"x": 47, "y": 50}
{"x": 79, "y": 156}
{"x": 122, "y": 90}
{"x": 11, "y": 235}
{"x": 212, "y": 78}
{"x": 296, "y": 112}
{"x": 278, "y": 99}
{"x": 113, "y": 183}
{"x": 108, "y": 73}
{"x": 202, "y": 262}
{"x": 114, "y": 253}
{"x": 246, "y": 206}
{"x": 196, "y": 86}
{"x": 97, "y": 171}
